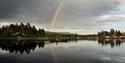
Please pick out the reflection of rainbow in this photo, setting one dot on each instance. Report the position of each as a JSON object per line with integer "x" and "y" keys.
{"x": 54, "y": 20}
{"x": 56, "y": 15}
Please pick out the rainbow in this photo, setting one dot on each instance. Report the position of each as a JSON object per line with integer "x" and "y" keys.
{"x": 54, "y": 20}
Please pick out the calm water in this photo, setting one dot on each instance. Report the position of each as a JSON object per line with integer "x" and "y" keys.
{"x": 29, "y": 51}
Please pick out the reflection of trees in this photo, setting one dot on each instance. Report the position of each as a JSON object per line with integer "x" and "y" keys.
{"x": 21, "y": 46}
{"x": 112, "y": 43}
{"x": 14, "y": 46}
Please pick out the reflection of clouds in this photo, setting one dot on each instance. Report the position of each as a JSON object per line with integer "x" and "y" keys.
{"x": 3, "y": 52}
{"x": 112, "y": 58}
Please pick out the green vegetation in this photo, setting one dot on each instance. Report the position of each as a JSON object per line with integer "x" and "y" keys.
{"x": 18, "y": 31}
{"x": 112, "y": 34}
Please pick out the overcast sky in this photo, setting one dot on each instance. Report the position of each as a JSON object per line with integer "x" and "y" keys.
{"x": 77, "y": 16}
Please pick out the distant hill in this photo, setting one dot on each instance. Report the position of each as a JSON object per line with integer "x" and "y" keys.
{"x": 60, "y": 33}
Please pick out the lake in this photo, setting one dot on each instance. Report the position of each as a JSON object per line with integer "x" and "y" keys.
{"x": 82, "y": 51}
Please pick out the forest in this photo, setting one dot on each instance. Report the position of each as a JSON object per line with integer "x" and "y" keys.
{"x": 20, "y": 30}
{"x": 109, "y": 34}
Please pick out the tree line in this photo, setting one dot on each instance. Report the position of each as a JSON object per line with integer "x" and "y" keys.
{"x": 111, "y": 34}
{"x": 20, "y": 30}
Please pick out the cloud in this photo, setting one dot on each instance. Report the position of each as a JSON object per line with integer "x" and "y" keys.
{"x": 4, "y": 23}
{"x": 86, "y": 8}
{"x": 112, "y": 58}
{"x": 91, "y": 15}
{"x": 81, "y": 15}
{"x": 8, "y": 8}
{"x": 80, "y": 10}
{"x": 112, "y": 17}
{"x": 28, "y": 10}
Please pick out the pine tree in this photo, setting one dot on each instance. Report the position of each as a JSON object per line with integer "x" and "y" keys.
{"x": 15, "y": 30}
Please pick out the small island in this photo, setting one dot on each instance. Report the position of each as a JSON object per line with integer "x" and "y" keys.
{"x": 112, "y": 34}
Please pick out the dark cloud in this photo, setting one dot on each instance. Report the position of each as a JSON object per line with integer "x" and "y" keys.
{"x": 79, "y": 9}
{"x": 81, "y": 14}
{"x": 8, "y": 8}
{"x": 36, "y": 11}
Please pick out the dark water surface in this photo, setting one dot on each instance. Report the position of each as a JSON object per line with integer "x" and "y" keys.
{"x": 84, "y": 51}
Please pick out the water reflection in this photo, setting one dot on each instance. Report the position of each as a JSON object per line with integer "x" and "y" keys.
{"x": 84, "y": 51}
{"x": 15, "y": 46}
{"x": 27, "y": 46}
{"x": 112, "y": 43}
{"x": 22, "y": 46}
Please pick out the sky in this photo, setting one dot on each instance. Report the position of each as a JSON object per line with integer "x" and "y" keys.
{"x": 75, "y": 16}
